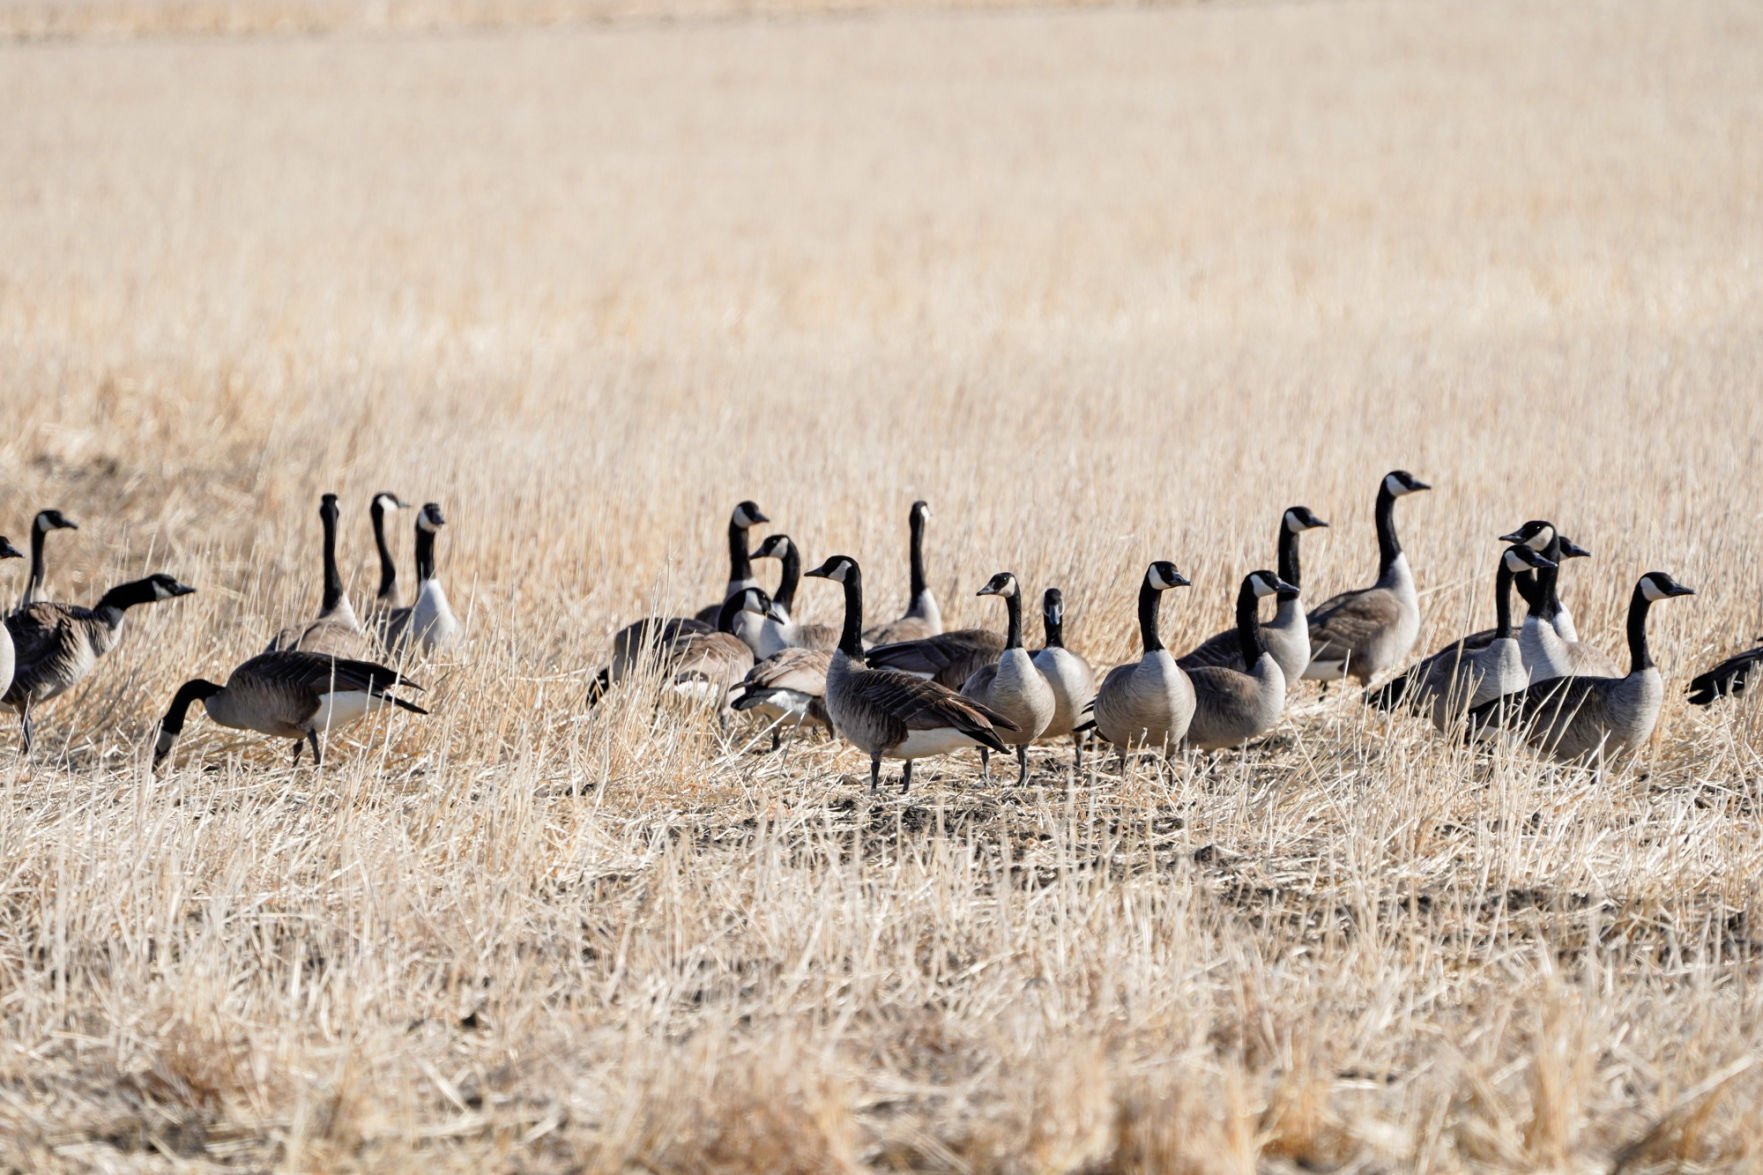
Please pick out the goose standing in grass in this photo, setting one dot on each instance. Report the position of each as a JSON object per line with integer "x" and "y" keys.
{"x": 335, "y": 631}
{"x": 429, "y": 623}
{"x": 922, "y": 617}
{"x": 1582, "y": 718}
{"x": 779, "y": 629}
{"x": 1461, "y": 676}
{"x": 1011, "y": 685}
{"x": 1727, "y": 679}
{"x": 745, "y": 517}
{"x": 1068, "y": 673}
{"x": 1287, "y": 635}
{"x": 289, "y": 694}
{"x": 386, "y": 598}
{"x": 788, "y": 688}
{"x": 45, "y": 521}
{"x": 7, "y": 656}
{"x": 1232, "y": 706}
{"x": 1363, "y": 632}
{"x": 894, "y": 715}
{"x": 1148, "y": 702}
{"x": 57, "y": 645}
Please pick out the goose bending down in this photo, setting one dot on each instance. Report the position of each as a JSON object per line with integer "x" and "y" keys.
{"x": 707, "y": 665}
{"x": 1287, "y": 635}
{"x": 745, "y": 517}
{"x": 639, "y": 642}
{"x": 1068, "y": 673}
{"x": 290, "y": 694}
{"x": 7, "y": 658}
{"x": 56, "y": 645}
{"x": 41, "y": 525}
{"x": 1726, "y": 679}
{"x": 335, "y": 631}
{"x": 386, "y": 598}
{"x": 779, "y": 631}
{"x": 1578, "y": 718}
{"x": 894, "y": 715}
{"x": 949, "y": 658}
{"x": 1361, "y": 633}
{"x": 428, "y": 624}
{"x": 1460, "y": 676}
{"x": 1148, "y": 702}
{"x": 922, "y": 617}
{"x": 1011, "y": 685}
{"x": 788, "y": 688}
{"x": 1232, "y": 706}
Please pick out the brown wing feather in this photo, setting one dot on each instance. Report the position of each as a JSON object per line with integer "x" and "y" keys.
{"x": 802, "y": 670}
{"x": 1223, "y": 649}
{"x": 1346, "y": 623}
{"x": 950, "y": 658}
{"x": 45, "y": 643}
{"x": 917, "y": 704}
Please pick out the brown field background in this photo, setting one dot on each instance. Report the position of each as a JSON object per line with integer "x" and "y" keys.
{"x": 1102, "y": 286}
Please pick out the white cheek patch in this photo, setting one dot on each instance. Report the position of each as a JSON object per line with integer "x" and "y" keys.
{"x": 1292, "y": 522}
{"x": 1158, "y": 580}
{"x": 1651, "y": 590}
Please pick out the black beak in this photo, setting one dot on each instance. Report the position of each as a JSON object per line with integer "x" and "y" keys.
{"x": 8, "y": 551}
{"x": 181, "y": 589}
{"x": 1572, "y": 550}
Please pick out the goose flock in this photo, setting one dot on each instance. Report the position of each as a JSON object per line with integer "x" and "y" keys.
{"x": 908, "y": 689}
{"x": 314, "y": 676}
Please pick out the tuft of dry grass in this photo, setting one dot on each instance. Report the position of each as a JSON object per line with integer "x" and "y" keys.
{"x": 1101, "y": 286}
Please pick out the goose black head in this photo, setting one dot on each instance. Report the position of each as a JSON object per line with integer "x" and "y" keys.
{"x": 48, "y": 520}
{"x": 327, "y": 507}
{"x": 166, "y": 587}
{"x": 1519, "y": 557}
{"x": 755, "y": 600}
{"x": 430, "y": 517}
{"x": 1572, "y": 550}
{"x": 747, "y": 514}
{"x": 1162, "y": 576}
{"x": 1535, "y": 534}
{"x": 1301, "y": 518}
{"x": 8, "y": 551}
{"x": 775, "y": 546}
{"x": 1658, "y": 585}
{"x": 1053, "y": 605}
{"x": 1265, "y": 583}
{"x": 1001, "y": 584}
{"x": 839, "y": 569}
{"x": 1399, "y": 481}
{"x": 920, "y": 511}
{"x": 386, "y": 501}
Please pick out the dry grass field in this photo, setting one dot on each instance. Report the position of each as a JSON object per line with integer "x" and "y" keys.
{"x": 1102, "y": 286}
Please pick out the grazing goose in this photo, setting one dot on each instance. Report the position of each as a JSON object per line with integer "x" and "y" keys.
{"x": 1232, "y": 706}
{"x": 290, "y": 694}
{"x": 707, "y": 665}
{"x": 1726, "y": 679}
{"x": 1071, "y": 677}
{"x": 894, "y": 715}
{"x": 335, "y": 631}
{"x": 1148, "y": 702}
{"x": 7, "y": 659}
{"x": 383, "y": 504}
{"x": 1577, "y": 718}
{"x": 1460, "y": 676}
{"x": 57, "y": 645}
{"x": 788, "y": 688}
{"x": 745, "y": 517}
{"x": 779, "y": 631}
{"x": 45, "y": 521}
{"x": 1011, "y": 685}
{"x": 428, "y": 624}
{"x": 1287, "y": 636}
{"x": 1361, "y": 633}
{"x": 639, "y": 642}
{"x": 922, "y": 617}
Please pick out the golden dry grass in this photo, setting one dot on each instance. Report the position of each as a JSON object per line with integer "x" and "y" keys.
{"x": 1103, "y": 287}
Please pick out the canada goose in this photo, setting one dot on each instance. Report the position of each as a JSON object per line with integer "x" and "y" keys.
{"x": 384, "y": 502}
{"x": 746, "y": 515}
{"x": 335, "y": 631}
{"x": 1539, "y": 536}
{"x": 1460, "y": 676}
{"x": 7, "y": 659}
{"x": 1361, "y": 633}
{"x": 779, "y": 630}
{"x": 788, "y": 688}
{"x": 1232, "y": 706}
{"x": 894, "y": 715}
{"x": 56, "y": 645}
{"x": 289, "y": 694}
{"x": 1542, "y": 594}
{"x": 1573, "y": 718}
{"x": 429, "y": 622}
{"x": 1728, "y": 678}
{"x": 45, "y": 521}
{"x": 1071, "y": 677}
{"x": 948, "y": 658}
{"x": 1287, "y": 635}
{"x": 922, "y": 617}
{"x": 638, "y": 641}
{"x": 1148, "y": 702}
{"x": 1011, "y": 685}
{"x": 707, "y": 665}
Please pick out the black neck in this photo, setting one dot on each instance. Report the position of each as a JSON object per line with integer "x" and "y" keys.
{"x": 333, "y": 579}
{"x": 124, "y": 596}
{"x": 1503, "y": 602}
{"x": 1543, "y": 605}
{"x": 740, "y": 563}
{"x": 37, "y": 533}
{"x": 1288, "y": 555}
{"x": 1249, "y": 625}
{"x": 188, "y": 694}
{"x": 1639, "y": 656}
{"x": 1526, "y": 583}
{"x": 918, "y": 583}
{"x": 1055, "y": 629}
{"x": 1389, "y": 547}
{"x": 731, "y": 608}
{"x": 851, "y": 637}
{"x": 425, "y": 554}
{"x": 1013, "y": 609}
{"x": 785, "y": 596}
{"x": 1149, "y": 601}
{"x": 388, "y": 570}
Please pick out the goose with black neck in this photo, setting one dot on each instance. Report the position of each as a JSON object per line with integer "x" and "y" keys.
{"x": 1287, "y": 635}
{"x": 1364, "y": 632}
{"x": 1069, "y": 675}
{"x": 1011, "y": 685}
{"x": 1148, "y": 702}
{"x": 1232, "y": 706}
{"x": 429, "y": 624}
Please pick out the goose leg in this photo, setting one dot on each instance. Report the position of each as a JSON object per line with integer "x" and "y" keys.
{"x": 1077, "y": 748}
{"x": 777, "y": 740}
{"x": 1022, "y": 763}
{"x": 298, "y": 744}
{"x": 906, "y": 778}
{"x": 985, "y": 764}
{"x": 874, "y": 773}
{"x": 317, "y": 755}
